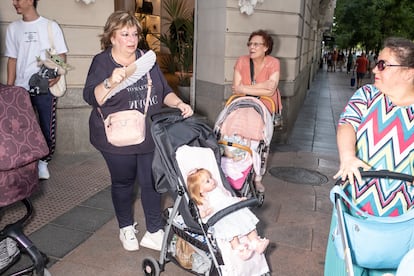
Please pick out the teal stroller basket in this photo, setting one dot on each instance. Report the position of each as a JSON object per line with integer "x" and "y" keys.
{"x": 364, "y": 244}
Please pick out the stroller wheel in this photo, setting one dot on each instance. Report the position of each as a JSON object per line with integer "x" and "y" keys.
{"x": 260, "y": 198}
{"x": 45, "y": 273}
{"x": 150, "y": 267}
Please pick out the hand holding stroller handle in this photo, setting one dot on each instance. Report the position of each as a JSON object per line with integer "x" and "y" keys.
{"x": 251, "y": 202}
{"x": 383, "y": 174}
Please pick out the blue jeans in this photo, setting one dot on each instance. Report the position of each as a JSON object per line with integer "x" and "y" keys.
{"x": 125, "y": 170}
{"x": 45, "y": 107}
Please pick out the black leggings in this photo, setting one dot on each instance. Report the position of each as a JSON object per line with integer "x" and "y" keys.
{"x": 124, "y": 170}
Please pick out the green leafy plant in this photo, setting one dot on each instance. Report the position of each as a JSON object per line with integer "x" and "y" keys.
{"x": 143, "y": 43}
{"x": 179, "y": 39}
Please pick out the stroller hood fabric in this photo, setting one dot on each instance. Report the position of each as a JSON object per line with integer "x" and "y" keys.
{"x": 248, "y": 102}
{"x": 170, "y": 131}
{"x": 22, "y": 144}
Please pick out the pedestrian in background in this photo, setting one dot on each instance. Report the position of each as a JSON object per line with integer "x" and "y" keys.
{"x": 349, "y": 62}
{"x": 371, "y": 64}
{"x": 361, "y": 66}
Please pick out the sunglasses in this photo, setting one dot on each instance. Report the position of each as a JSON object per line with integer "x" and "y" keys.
{"x": 381, "y": 65}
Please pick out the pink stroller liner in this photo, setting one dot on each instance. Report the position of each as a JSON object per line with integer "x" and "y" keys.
{"x": 238, "y": 183}
{"x": 245, "y": 117}
{"x": 245, "y": 122}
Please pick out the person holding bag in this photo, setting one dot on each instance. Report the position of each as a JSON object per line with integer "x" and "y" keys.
{"x": 27, "y": 41}
{"x": 112, "y": 87}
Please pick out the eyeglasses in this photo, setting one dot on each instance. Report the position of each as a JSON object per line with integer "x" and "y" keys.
{"x": 254, "y": 44}
{"x": 381, "y": 65}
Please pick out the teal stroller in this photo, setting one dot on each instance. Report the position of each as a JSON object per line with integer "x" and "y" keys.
{"x": 364, "y": 244}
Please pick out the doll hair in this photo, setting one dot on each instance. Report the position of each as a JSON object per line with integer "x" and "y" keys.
{"x": 194, "y": 179}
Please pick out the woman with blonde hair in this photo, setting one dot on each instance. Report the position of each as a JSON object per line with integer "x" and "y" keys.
{"x": 127, "y": 164}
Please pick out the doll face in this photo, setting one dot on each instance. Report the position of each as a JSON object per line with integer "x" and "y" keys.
{"x": 207, "y": 184}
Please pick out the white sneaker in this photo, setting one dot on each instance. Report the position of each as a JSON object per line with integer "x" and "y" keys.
{"x": 153, "y": 240}
{"x": 128, "y": 239}
{"x": 12, "y": 248}
{"x": 43, "y": 170}
{"x": 8, "y": 252}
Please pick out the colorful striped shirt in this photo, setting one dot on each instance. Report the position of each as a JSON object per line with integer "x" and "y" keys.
{"x": 385, "y": 141}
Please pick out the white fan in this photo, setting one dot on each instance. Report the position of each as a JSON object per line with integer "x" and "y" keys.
{"x": 134, "y": 72}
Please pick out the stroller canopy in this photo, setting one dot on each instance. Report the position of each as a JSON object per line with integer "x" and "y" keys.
{"x": 170, "y": 131}
{"x": 237, "y": 117}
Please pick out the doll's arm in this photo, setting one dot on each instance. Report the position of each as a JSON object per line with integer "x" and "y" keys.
{"x": 205, "y": 210}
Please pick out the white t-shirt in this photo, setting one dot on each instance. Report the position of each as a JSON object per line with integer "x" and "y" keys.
{"x": 28, "y": 40}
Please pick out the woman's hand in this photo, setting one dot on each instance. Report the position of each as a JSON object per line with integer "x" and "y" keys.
{"x": 118, "y": 75}
{"x": 172, "y": 100}
{"x": 238, "y": 89}
{"x": 205, "y": 210}
{"x": 52, "y": 82}
{"x": 186, "y": 110}
{"x": 266, "y": 88}
{"x": 349, "y": 168}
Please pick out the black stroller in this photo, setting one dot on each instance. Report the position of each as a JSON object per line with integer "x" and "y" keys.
{"x": 22, "y": 144}
{"x": 192, "y": 140}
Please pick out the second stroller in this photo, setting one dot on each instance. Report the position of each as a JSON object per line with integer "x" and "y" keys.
{"x": 244, "y": 129}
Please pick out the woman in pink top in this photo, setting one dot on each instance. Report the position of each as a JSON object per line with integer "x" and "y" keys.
{"x": 266, "y": 72}
{"x": 266, "y": 69}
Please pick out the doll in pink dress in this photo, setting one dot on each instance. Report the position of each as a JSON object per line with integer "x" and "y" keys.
{"x": 211, "y": 198}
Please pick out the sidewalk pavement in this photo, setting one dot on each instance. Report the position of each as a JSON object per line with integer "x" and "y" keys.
{"x": 74, "y": 221}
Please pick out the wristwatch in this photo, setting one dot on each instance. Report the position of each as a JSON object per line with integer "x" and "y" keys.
{"x": 106, "y": 84}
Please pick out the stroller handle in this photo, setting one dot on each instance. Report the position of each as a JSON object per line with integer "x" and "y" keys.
{"x": 383, "y": 174}
{"x": 239, "y": 146}
{"x": 266, "y": 98}
{"x": 251, "y": 202}
{"x": 388, "y": 174}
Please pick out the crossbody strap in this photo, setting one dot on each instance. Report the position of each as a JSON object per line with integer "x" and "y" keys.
{"x": 149, "y": 88}
{"x": 146, "y": 100}
{"x": 149, "y": 84}
{"x": 148, "y": 93}
{"x": 50, "y": 34}
{"x": 252, "y": 72}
